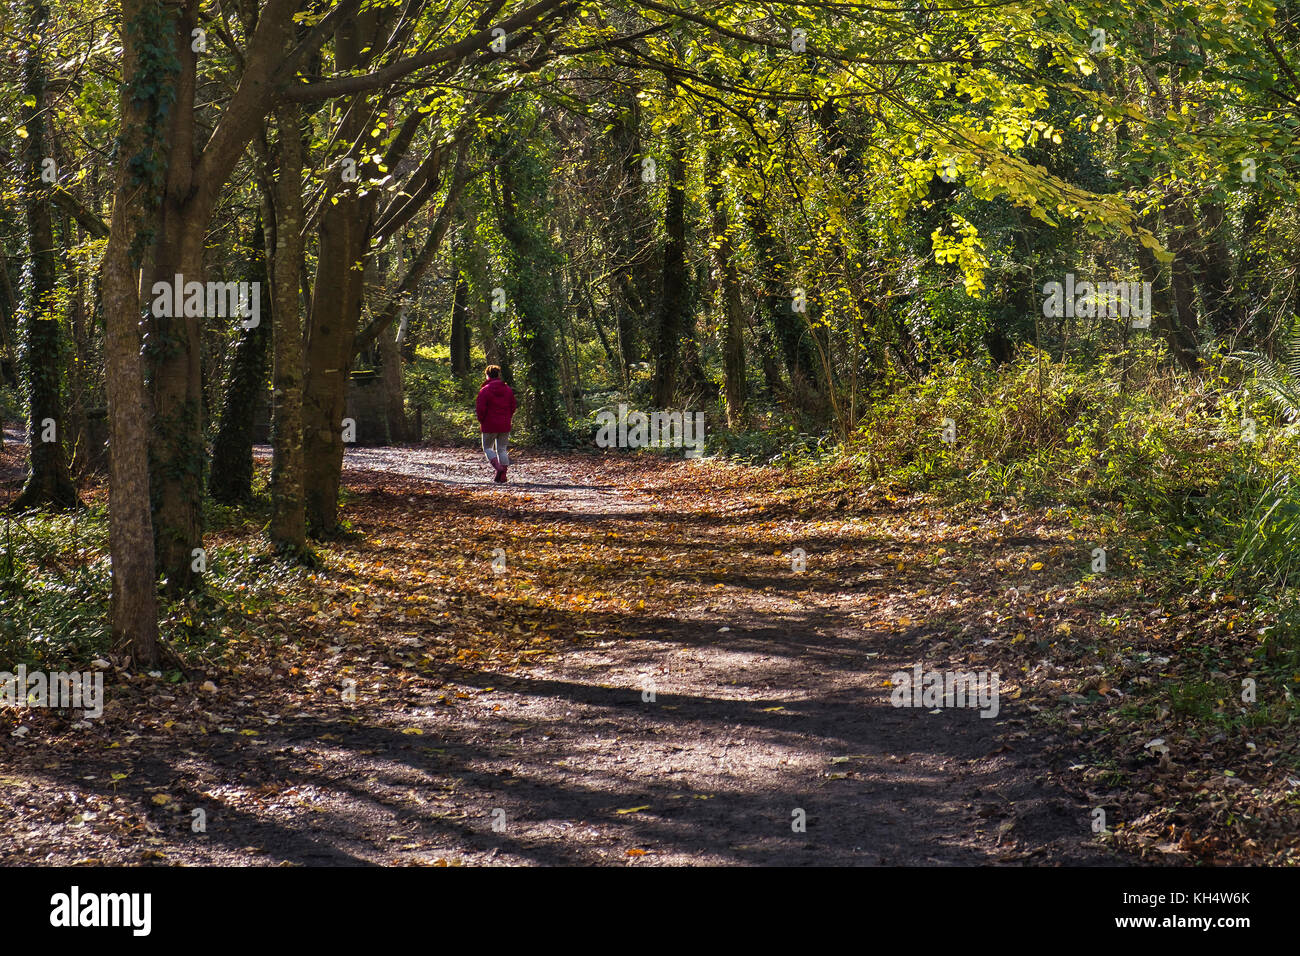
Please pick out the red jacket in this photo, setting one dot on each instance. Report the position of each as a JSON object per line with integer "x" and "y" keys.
{"x": 495, "y": 406}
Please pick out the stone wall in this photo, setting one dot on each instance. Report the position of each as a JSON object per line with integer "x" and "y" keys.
{"x": 365, "y": 405}
{"x": 368, "y": 407}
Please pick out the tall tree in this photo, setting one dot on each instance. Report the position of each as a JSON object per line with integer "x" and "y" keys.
{"x": 49, "y": 482}
{"x": 674, "y": 295}
{"x": 345, "y": 229}
{"x": 288, "y": 519}
{"x": 232, "y": 449}
{"x": 629, "y": 229}
{"x": 728, "y": 284}
{"x": 522, "y": 208}
{"x": 145, "y": 99}
{"x": 460, "y": 321}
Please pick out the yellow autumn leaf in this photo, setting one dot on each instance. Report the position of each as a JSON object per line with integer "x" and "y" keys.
{"x": 634, "y": 809}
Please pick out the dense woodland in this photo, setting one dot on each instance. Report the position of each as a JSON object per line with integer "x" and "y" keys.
{"x": 832, "y": 227}
{"x": 774, "y": 212}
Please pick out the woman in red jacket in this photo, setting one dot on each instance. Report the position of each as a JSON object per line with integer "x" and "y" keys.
{"x": 495, "y": 407}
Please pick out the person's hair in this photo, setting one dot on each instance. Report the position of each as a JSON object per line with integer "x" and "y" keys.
{"x": 492, "y": 371}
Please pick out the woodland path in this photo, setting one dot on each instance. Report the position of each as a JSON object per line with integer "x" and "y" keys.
{"x": 468, "y": 744}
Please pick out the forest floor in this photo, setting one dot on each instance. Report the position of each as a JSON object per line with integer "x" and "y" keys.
{"x": 644, "y": 676}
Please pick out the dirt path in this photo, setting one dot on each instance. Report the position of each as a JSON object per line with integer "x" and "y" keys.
{"x": 743, "y": 697}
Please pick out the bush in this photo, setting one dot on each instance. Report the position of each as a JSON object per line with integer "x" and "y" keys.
{"x": 56, "y": 585}
{"x": 1202, "y": 474}
{"x": 54, "y": 589}
{"x": 1051, "y": 430}
{"x": 446, "y": 403}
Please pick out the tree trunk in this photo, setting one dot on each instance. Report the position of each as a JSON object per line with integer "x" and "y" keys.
{"x": 776, "y": 300}
{"x": 8, "y": 360}
{"x": 173, "y": 348}
{"x": 733, "y": 344}
{"x": 1163, "y": 317}
{"x": 1250, "y": 266}
{"x": 86, "y": 370}
{"x": 460, "y": 318}
{"x": 1182, "y": 243}
{"x": 232, "y": 450}
{"x": 523, "y": 212}
{"x": 336, "y": 311}
{"x": 337, "y": 294}
{"x": 134, "y": 608}
{"x": 49, "y": 482}
{"x": 674, "y": 302}
{"x": 474, "y": 270}
{"x": 288, "y": 515}
{"x": 1222, "y": 301}
{"x": 630, "y": 233}
{"x": 192, "y": 180}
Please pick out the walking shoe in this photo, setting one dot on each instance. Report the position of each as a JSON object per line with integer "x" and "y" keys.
{"x": 501, "y": 475}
